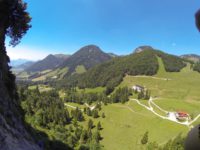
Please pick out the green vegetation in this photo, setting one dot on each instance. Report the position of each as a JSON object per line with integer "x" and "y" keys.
{"x": 80, "y": 69}
{"x": 172, "y": 63}
{"x": 48, "y": 63}
{"x": 144, "y": 139}
{"x": 111, "y": 73}
{"x": 197, "y": 67}
{"x": 87, "y": 56}
{"x": 125, "y": 122}
{"x": 47, "y": 113}
{"x": 125, "y": 125}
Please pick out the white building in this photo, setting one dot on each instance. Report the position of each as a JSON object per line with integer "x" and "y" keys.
{"x": 138, "y": 88}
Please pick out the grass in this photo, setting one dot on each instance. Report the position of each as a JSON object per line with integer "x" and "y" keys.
{"x": 125, "y": 124}
{"x": 123, "y": 128}
{"x": 23, "y": 75}
{"x": 58, "y": 73}
{"x": 92, "y": 90}
{"x": 80, "y": 69}
{"x": 42, "y": 88}
{"x": 180, "y": 92}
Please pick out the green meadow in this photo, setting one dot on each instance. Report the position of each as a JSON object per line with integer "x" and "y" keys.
{"x": 125, "y": 124}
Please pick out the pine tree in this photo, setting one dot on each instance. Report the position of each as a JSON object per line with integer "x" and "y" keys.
{"x": 97, "y": 136}
{"x": 90, "y": 124}
{"x": 84, "y": 137}
{"x": 99, "y": 126}
{"x": 144, "y": 139}
{"x": 95, "y": 113}
{"x": 103, "y": 115}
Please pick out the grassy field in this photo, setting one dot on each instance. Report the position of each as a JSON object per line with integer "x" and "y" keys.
{"x": 58, "y": 73}
{"x": 125, "y": 124}
{"x": 92, "y": 90}
{"x": 179, "y": 92}
{"x": 80, "y": 69}
{"x": 42, "y": 88}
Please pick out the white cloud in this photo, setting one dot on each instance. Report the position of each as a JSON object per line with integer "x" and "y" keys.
{"x": 26, "y": 53}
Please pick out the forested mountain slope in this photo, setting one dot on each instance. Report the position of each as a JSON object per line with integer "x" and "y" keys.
{"x": 111, "y": 73}
{"x": 50, "y": 62}
{"x": 87, "y": 56}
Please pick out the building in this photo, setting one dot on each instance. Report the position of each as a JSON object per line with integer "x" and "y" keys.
{"x": 138, "y": 88}
{"x": 182, "y": 115}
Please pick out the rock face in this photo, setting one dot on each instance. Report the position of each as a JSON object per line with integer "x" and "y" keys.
{"x": 13, "y": 135}
{"x": 142, "y": 48}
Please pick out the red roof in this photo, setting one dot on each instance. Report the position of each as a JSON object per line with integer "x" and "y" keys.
{"x": 182, "y": 114}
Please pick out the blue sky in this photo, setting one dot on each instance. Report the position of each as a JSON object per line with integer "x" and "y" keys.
{"x": 118, "y": 26}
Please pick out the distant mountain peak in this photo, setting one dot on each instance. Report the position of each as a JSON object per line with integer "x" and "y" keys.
{"x": 49, "y": 62}
{"x": 90, "y": 49}
{"x": 62, "y": 56}
{"x": 191, "y": 57}
{"x": 87, "y": 56}
{"x": 143, "y": 48}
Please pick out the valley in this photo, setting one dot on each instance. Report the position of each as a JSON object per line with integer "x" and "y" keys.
{"x": 60, "y": 91}
{"x": 125, "y": 124}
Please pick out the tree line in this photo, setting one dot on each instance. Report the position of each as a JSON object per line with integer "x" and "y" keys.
{"x": 47, "y": 111}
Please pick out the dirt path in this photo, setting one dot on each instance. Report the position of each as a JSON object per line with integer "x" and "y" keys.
{"x": 91, "y": 107}
{"x": 151, "y": 101}
{"x": 71, "y": 106}
{"x": 165, "y": 79}
{"x": 86, "y": 104}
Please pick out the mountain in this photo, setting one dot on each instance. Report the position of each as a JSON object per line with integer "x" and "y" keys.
{"x": 18, "y": 62}
{"x": 192, "y": 57}
{"x": 87, "y": 57}
{"x": 111, "y": 73}
{"x": 22, "y": 67}
{"x": 142, "y": 48}
{"x": 62, "y": 56}
{"x": 50, "y": 62}
{"x": 113, "y": 55}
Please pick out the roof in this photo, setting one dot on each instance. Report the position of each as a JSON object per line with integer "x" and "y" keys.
{"x": 182, "y": 112}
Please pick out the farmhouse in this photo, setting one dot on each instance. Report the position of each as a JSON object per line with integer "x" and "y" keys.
{"x": 182, "y": 115}
{"x": 138, "y": 88}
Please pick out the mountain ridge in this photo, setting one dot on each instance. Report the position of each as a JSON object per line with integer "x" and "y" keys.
{"x": 49, "y": 62}
{"x": 88, "y": 56}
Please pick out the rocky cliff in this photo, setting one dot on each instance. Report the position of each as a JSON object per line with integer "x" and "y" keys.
{"x": 13, "y": 134}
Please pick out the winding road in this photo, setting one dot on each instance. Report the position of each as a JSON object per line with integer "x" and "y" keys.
{"x": 171, "y": 115}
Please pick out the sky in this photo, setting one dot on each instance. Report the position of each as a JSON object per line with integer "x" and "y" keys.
{"x": 118, "y": 26}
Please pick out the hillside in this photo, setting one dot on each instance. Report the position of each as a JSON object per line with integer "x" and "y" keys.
{"x": 111, "y": 73}
{"x": 18, "y": 62}
{"x": 142, "y": 48}
{"x": 50, "y": 62}
{"x": 86, "y": 57}
{"x": 22, "y": 67}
